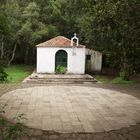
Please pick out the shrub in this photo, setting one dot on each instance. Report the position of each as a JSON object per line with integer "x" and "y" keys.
{"x": 124, "y": 75}
{"x": 60, "y": 69}
{"x": 3, "y": 75}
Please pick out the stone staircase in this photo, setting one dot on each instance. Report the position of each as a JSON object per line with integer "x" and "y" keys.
{"x": 57, "y": 79}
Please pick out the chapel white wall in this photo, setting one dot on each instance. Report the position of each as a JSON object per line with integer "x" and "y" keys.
{"x": 46, "y": 60}
{"x": 96, "y": 60}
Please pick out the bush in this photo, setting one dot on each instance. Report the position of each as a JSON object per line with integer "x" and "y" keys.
{"x": 3, "y": 75}
{"x": 60, "y": 69}
{"x": 124, "y": 75}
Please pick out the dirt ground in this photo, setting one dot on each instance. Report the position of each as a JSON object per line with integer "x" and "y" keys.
{"x": 133, "y": 90}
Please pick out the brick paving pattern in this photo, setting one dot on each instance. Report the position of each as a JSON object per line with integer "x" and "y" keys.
{"x": 72, "y": 109}
{"x": 74, "y": 112}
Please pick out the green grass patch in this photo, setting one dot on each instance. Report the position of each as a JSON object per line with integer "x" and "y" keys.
{"x": 102, "y": 79}
{"x": 17, "y": 73}
{"x": 121, "y": 81}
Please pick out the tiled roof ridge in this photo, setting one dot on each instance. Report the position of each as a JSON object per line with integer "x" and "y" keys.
{"x": 57, "y": 41}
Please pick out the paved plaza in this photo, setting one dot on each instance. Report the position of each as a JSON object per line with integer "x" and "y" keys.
{"x": 69, "y": 109}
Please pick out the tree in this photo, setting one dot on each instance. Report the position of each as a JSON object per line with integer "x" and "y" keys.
{"x": 14, "y": 17}
{"x": 28, "y": 32}
{"x": 4, "y": 29}
{"x": 112, "y": 27}
{"x": 33, "y": 30}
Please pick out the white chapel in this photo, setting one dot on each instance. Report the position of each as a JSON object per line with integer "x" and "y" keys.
{"x": 76, "y": 58}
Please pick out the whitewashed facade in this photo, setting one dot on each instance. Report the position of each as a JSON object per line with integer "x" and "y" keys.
{"x": 46, "y": 60}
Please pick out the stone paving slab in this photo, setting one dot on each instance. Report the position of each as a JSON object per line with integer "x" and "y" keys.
{"x": 69, "y": 109}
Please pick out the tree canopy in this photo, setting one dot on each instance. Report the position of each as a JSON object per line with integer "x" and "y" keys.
{"x": 110, "y": 26}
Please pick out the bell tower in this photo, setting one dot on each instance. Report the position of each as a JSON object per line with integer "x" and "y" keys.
{"x": 74, "y": 43}
{"x": 75, "y": 40}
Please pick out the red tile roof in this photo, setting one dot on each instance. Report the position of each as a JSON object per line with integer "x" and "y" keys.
{"x": 59, "y": 41}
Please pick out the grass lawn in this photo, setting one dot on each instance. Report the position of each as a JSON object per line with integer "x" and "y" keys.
{"x": 119, "y": 80}
{"x": 116, "y": 80}
{"x": 17, "y": 73}
{"x": 102, "y": 79}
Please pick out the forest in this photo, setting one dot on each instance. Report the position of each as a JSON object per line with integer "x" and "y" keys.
{"x": 109, "y": 26}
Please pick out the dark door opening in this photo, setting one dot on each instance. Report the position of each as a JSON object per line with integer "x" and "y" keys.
{"x": 88, "y": 63}
{"x": 61, "y": 59}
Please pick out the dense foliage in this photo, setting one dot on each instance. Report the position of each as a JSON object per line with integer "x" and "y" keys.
{"x": 110, "y": 26}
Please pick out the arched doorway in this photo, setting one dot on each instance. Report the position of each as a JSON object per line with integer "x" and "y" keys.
{"x": 61, "y": 58}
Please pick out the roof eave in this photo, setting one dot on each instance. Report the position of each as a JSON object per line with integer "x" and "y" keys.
{"x": 81, "y": 46}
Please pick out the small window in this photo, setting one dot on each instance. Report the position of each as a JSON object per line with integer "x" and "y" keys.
{"x": 94, "y": 55}
{"x": 88, "y": 57}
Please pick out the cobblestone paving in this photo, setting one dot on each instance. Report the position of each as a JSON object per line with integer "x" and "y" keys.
{"x": 81, "y": 113}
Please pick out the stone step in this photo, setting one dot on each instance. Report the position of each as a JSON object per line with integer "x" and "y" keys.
{"x": 59, "y": 76}
{"x": 61, "y": 81}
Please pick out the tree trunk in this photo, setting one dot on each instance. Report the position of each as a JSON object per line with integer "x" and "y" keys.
{"x": 26, "y": 55}
{"x": 13, "y": 54}
{"x": 2, "y": 50}
{"x": 124, "y": 74}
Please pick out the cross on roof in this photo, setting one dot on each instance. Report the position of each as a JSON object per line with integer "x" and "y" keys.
{"x": 75, "y": 34}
